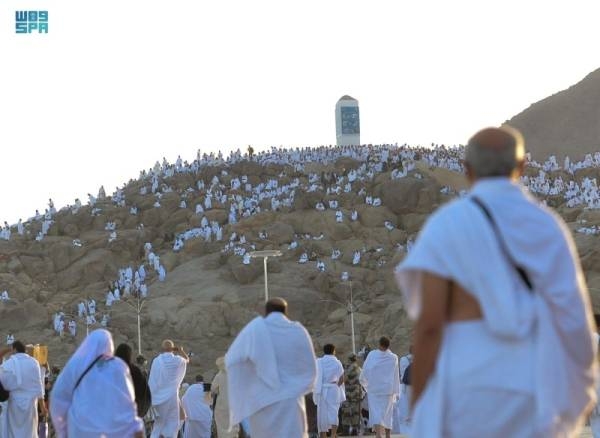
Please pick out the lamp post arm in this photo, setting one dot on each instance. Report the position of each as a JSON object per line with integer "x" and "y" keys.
{"x": 333, "y": 301}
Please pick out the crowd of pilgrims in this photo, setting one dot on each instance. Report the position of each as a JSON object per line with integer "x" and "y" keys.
{"x": 242, "y": 199}
{"x": 203, "y": 410}
{"x": 131, "y": 283}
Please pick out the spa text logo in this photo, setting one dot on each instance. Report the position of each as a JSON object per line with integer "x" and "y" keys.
{"x": 31, "y": 21}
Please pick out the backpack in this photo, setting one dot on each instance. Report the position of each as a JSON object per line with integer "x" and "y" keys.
{"x": 3, "y": 393}
{"x": 405, "y": 380}
{"x": 406, "y": 375}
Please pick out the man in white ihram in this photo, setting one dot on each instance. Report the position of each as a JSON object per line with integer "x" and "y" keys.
{"x": 198, "y": 415}
{"x": 329, "y": 393}
{"x": 595, "y": 414}
{"x": 503, "y": 322}
{"x": 166, "y": 374}
{"x": 381, "y": 379}
{"x": 270, "y": 367}
{"x": 401, "y": 421}
{"x": 22, "y": 377}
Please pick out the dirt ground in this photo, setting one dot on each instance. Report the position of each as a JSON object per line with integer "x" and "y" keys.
{"x": 587, "y": 433}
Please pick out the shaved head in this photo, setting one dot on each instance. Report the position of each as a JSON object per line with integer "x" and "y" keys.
{"x": 276, "y": 305}
{"x": 495, "y": 152}
{"x": 168, "y": 345}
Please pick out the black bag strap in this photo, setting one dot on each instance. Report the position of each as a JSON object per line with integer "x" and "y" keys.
{"x": 87, "y": 371}
{"x": 520, "y": 270}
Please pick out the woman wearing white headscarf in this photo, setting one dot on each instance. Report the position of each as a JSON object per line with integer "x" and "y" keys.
{"x": 93, "y": 396}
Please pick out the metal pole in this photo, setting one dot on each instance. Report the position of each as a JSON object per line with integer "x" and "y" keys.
{"x": 352, "y": 324}
{"x": 139, "y": 324}
{"x": 266, "y": 280}
{"x": 352, "y": 321}
{"x": 139, "y": 331}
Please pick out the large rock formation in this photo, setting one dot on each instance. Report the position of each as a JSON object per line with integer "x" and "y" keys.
{"x": 209, "y": 294}
{"x": 565, "y": 123}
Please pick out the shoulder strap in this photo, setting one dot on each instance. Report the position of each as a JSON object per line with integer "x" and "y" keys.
{"x": 86, "y": 371}
{"x": 520, "y": 270}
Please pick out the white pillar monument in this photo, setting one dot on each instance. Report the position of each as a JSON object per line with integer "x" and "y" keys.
{"x": 347, "y": 122}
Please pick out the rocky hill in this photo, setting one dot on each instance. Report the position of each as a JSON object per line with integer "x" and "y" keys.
{"x": 565, "y": 123}
{"x": 209, "y": 293}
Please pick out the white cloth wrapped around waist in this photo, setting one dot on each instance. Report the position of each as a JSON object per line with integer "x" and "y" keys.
{"x": 475, "y": 357}
{"x": 332, "y": 393}
{"x": 472, "y": 357}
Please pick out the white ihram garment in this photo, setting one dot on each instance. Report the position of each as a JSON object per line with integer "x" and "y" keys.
{"x": 517, "y": 371}
{"x": 595, "y": 415}
{"x": 3, "y": 420}
{"x": 104, "y": 402}
{"x": 270, "y": 367}
{"x": 401, "y": 421}
{"x": 198, "y": 420}
{"x": 21, "y": 376}
{"x": 381, "y": 379}
{"x": 286, "y": 418}
{"x": 221, "y": 412}
{"x": 166, "y": 375}
{"x": 328, "y": 395}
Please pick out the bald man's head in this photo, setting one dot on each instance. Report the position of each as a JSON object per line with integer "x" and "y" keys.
{"x": 495, "y": 152}
{"x": 276, "y": 305}
{"x": 168, "y": 345}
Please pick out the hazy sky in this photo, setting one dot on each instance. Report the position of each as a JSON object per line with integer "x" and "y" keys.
{"x": 116, "y": 85}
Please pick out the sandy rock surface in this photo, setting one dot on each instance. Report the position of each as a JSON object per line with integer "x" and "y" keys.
{"x": 209, "y": 295}
{"x": 565, "y": 123}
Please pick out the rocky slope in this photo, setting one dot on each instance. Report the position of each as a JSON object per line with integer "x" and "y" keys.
{"x": 565, "y": 123}
{"x": 209, "y": 295}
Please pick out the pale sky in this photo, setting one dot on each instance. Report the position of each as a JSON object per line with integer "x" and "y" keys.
{"x": 116, "y": 85}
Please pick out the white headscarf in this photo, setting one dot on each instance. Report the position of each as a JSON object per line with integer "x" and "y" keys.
{"x": 97, "y": 343}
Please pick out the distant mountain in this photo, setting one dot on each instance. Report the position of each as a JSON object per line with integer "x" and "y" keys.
{"x": 566, "y": 123}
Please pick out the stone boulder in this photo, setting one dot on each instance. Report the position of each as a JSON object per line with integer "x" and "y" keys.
{"x": 245, "y": 274}
{"x": 345, "y": 164}
{"x": 307, "y": 200}
{"x": 408, "y": 195}
{"x": 96, "y": 266}
{"x": 218, "y": 215}
{"x": 280, "y": 233}
{"x": 339, "y": 231}
{"x": 373, "y": 217}
{"x": 19, "y": 317}
{"x": 178, "y": 217}
{"x": 412, "y": 222}
{"x": 153, "y": 217}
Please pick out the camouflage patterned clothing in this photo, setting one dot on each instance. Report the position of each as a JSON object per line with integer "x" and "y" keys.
{"x": 354, "y": 394}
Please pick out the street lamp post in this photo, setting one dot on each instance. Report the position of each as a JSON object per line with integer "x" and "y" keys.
{"x": 138, "y": 310}
{"x": 352, "y": 309}
{"x": 265, "y": 255}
